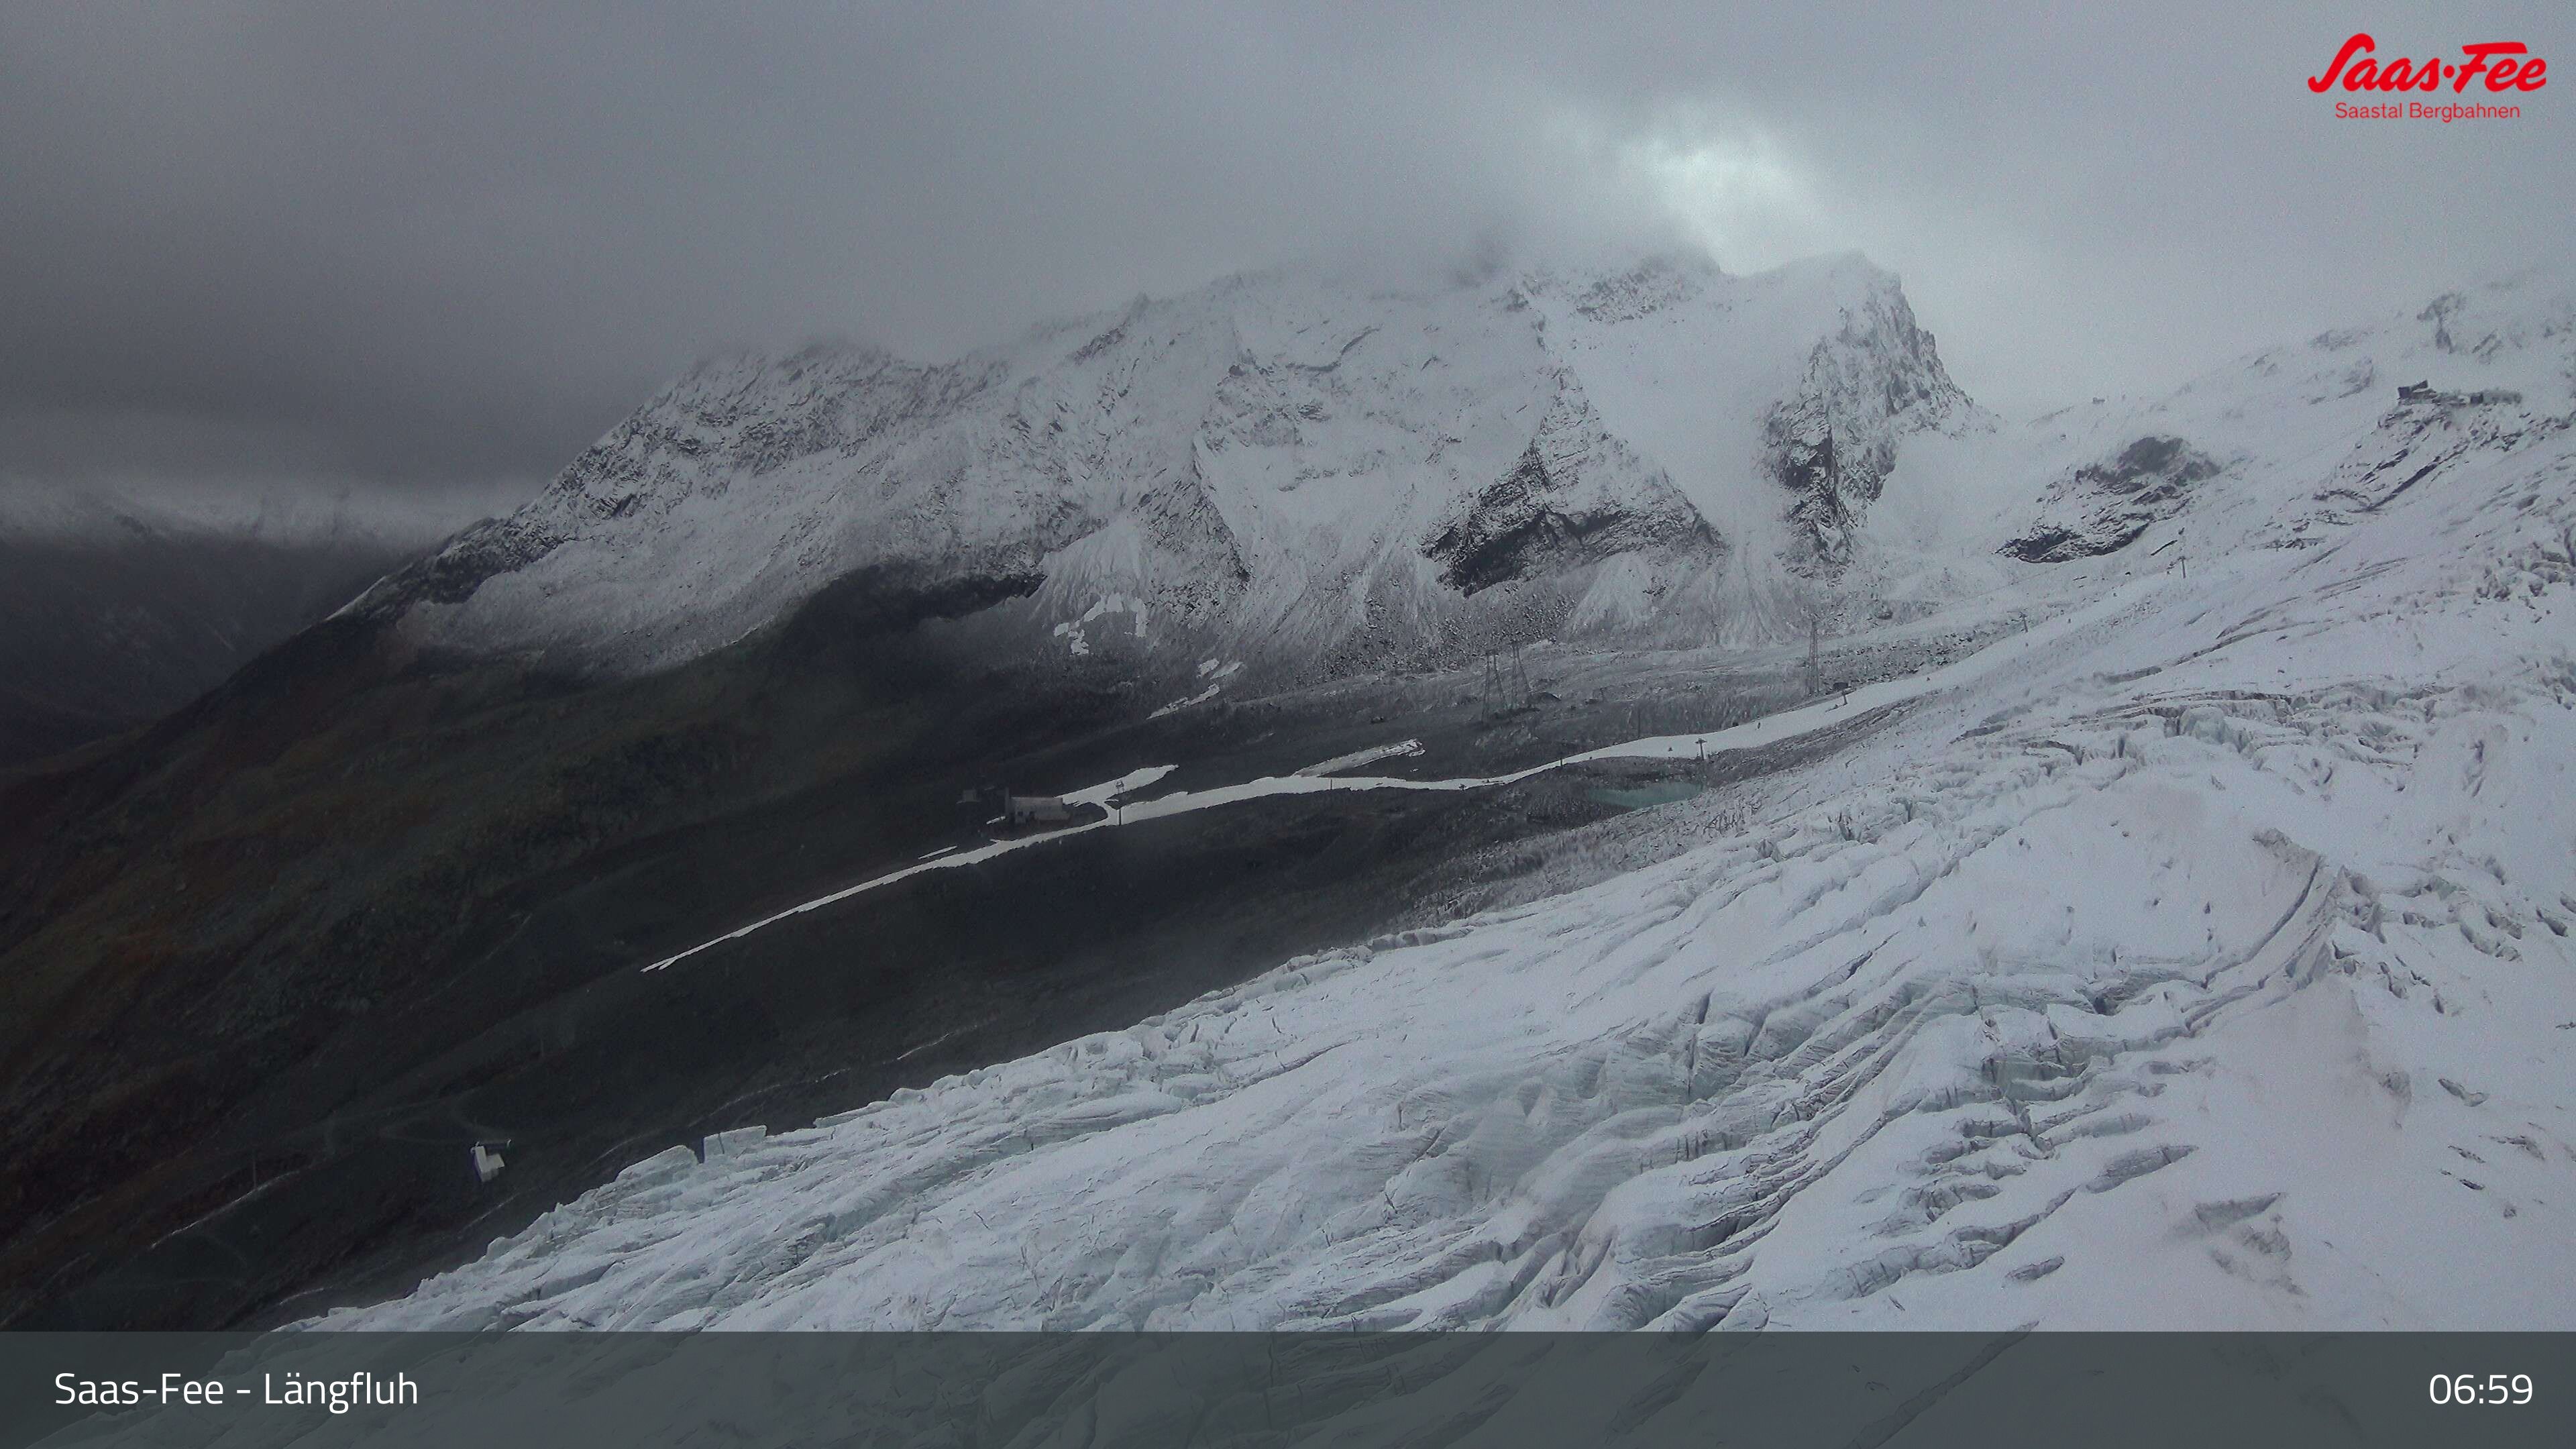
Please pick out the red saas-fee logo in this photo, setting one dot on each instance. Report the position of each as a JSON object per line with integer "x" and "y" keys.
{"x": 2499, "y": 66}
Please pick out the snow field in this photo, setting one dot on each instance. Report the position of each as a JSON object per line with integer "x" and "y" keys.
{"x": 2200, "y": 959}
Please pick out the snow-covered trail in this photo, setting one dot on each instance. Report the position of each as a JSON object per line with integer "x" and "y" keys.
{"x": 1753, "y": 734}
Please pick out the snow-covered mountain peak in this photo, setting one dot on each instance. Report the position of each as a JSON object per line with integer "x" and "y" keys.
{"x": 2284, "y": 446}
{"x": 1288, "y": 468}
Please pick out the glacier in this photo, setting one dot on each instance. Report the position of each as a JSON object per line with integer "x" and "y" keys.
{"x": 2199, "y": 957}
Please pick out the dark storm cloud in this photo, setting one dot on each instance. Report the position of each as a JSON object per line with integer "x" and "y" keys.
{"x": 430, "y": 242}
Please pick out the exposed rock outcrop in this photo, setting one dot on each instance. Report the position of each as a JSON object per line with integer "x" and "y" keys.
{"x": 2104, "y": 506}
{"x": 1833, "y": 441}
{"x": 1576, "y": 495}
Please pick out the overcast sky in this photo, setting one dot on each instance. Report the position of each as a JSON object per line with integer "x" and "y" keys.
{"x": 425, "y": 244}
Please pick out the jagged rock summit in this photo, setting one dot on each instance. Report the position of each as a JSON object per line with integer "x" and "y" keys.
{"x": 1296, "y": 473}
